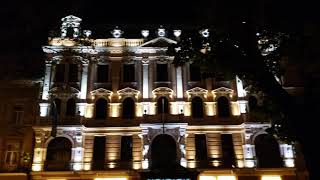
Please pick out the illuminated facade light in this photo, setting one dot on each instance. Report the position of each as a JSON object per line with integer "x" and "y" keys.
{"x": 271, "y": 177}
{"x": 145, "y": 164}
{"x": 177, "y": 33}
{"x": 207, "y": 178}
{"x": 36, "y": 167}
{"x": 77, "y": 166}
{"x": 145, "y": 33}
{"x": 226, "y": 178}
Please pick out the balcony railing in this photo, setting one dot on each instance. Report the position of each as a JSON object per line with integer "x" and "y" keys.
{"x": 52, "y": 165}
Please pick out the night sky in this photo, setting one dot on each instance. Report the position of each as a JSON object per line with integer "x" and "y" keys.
{"x": 25, "y": 25}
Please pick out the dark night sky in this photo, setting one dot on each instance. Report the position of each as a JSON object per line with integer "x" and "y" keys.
{"x": 25, "y": 24}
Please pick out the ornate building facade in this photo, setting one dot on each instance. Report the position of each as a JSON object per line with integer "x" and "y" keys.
{"x": 123, "y": 109}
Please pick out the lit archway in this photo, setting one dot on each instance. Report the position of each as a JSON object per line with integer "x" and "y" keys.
{"x": 163, "y": 152}
{"x": 267, "y": 151}
{"x": 58, "y": 154}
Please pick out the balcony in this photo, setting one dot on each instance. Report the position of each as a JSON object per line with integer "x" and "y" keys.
{"x": 57, "y": 165}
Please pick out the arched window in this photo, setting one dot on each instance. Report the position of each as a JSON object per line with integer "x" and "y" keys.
{"x": 101, "y": 108}
{"x": 58, "y": 154}
{"x": 55, "y": 107}
{"x": 267, "y": 151}
{"x": 71, "y": 107}
{"x": 163, "y": 105}
{"x": 163, "y": 152}
{"x": 253, "y": 103}
{"x": 223, "y": 107}
{"x": 128, "y": 108}
{"x": 197, "y": 107}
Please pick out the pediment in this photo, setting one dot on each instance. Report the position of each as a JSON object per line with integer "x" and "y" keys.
{"x": 162, "y": 91}
{"x": 71, "y": 18}
{"x": 222, "y": 90}
{"x": 158, "y": 42}
{"x": 64, "y": 89}
{"x": 197, "y": 90}
{"x": 101, "y": 92}
{"x": 128, "y": 91}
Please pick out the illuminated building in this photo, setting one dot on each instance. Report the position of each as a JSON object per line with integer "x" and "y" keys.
{"x": 123, "y": 107}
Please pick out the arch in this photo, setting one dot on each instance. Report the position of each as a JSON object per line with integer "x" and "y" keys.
{"x": 57, "y": 105}
{"x": 128, "y": 108}
{"x": 267, "y": 151}
{"x": 101, "y": 108}
{"x": 71, "y": 107}
{"x": 253, "y": 103}
{"x": 58, "y": 154}
{"x": 197, "y": 107}
{"x": 223, "y": 107}
{"x": 163, "y": 152}
{"x": 163, "y": 105}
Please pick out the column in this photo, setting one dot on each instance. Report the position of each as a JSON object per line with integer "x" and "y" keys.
{"x": 286, "y": 151}
{"x": 39, "y": 152}
{"x": 46, "y": 83}
{"x": 84, "y": 80}
{"x": 77, "y": 151}
{"x": 249, "y": 155}
{"x": 179, "y": 83}
{"x": 145, "y": 80}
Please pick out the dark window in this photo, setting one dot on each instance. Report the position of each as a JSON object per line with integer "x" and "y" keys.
{"x": 223, "y": 107}
{"x": 99, "y": 147}
{"x": 252, "y": 103}
{"x": 163, "y": 105}
{"x": 73, "y": 73}
{"x": 162, "y": 72}
{"x": 201, "y": 147}
{"x": 59, "y": 76}
{"x": 102, "y": 73}
{"x": 126, "y": 148}
{"x": 101, "y": 108}
{"x": 18, "y": 114}
{"x": 128, "y": 108}
{"x": 71, "y": 107}
{"x": 57, "y": 107}
{"x": 195, "y": 73}
{"x": 267, "y": 151}
{"x": 228, "y": 157}
{"x": 128, "y": 73}
{"x": 197, "y": 107}
{"x": 58, "y": 154}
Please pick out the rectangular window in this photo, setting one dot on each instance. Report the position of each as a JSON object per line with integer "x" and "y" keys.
{"x": 73, "y": 73}
{"x": 59, "y": 76}
{"x": 201, "y": 147}
{"x": 162, "y": 72}
{"x": 128, "y": 73}
{"x": 99, "y": 147}
{"x": 228, "y": 157}
{"x": 12, "y": 154}
{"x": 195, "y": 73}
{"x": 126, "y": 148}
{"x": 18, "y": 114}
{"x": 102, "y": 73}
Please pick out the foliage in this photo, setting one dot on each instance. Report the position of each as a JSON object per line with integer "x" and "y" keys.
{"x": 220, "y": 55}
